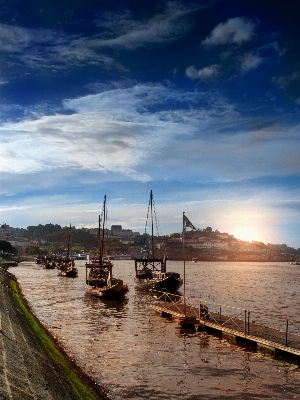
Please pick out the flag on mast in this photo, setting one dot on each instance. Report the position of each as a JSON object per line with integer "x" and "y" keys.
{"x": 187, "y": 223}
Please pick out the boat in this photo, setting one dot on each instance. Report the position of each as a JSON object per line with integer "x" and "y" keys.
{"x": 194, "y": 259}
{"x": 66, "y": 264}
{"x": 66, "y": 267}
{"x": 150, "y": 271}
{"x": 49, "y": 262}
{"x": 118, "y": 257}
{"x": 99, "y": 278}
{"x": 81, "y": 256}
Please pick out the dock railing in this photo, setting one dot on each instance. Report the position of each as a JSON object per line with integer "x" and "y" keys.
{"x": 273, "y": 326}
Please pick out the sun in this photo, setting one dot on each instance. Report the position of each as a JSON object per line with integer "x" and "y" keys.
{"x": 249, "y": 223}
{"x": 246, "y": 233}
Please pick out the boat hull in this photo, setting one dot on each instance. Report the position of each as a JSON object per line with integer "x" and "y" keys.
{"x": 170, "y": 283}
{"x": 116, "y": 291}
{"x": 72, "y": 273}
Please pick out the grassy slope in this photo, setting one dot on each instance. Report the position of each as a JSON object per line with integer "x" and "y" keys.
{"x": 55, "y": 354}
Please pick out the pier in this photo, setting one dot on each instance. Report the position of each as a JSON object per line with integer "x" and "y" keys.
{"x": 280, "y": 337}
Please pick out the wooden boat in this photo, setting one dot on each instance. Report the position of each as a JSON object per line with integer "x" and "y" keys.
{"x": 66, "y": 264}
{"x": 38, "y": 260}
{"x": 49, "y": 262}
{"x": 66, "y": 267}
{"x": 110, "y": 288}
{"x": 150, "y": 271}
{"x": 99, "y": 280}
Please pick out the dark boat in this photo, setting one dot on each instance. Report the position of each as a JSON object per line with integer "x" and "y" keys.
{"x": 65, "y": 264}
{"x": 150, "y": 271}
{"x": 99, "y": 280}
{"x": 49, "y": 262}
{"x": 66, "y": 267}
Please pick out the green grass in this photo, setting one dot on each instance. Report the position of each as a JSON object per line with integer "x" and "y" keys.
{"x": 52, "y": 351}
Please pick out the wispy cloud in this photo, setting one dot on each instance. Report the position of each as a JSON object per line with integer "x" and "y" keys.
{"x": 285, "y": 81}
{"x": 233, "y": 31}
{"x": 205, "y": 74}
{"x": 117, "y": 132}
{"x": 55, "y": 49}
{"x": 251, "y": 61}
{"x": 166, "y": 26}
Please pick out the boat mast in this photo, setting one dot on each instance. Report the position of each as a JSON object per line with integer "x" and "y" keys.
{"x": 103, "y": 226}
{"x": 69, "y": 238}
{"x": 183, "y": 248}
{"x": 99, "y": 238}
{"x": 151, "y": 210}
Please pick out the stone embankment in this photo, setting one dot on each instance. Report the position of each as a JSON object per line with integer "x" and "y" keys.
{"x": 32, "y": 366}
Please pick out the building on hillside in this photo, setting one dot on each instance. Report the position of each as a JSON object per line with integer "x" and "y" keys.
{"x": 223, "y": 235}
{"x": 6, "y": 230}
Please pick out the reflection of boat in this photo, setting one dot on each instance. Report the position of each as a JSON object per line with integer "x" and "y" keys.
{"x": 99, "y": 280}
{"x": 150, "y": 271}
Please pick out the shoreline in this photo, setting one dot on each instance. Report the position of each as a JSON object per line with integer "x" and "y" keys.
{"x": 43, "y": 346}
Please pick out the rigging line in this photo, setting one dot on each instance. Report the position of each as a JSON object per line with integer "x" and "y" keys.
{"x": 147, "y": 216}
{"x": 156, "y": 220}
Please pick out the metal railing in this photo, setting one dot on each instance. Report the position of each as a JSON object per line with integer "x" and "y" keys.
{"x": 272, "y": 326}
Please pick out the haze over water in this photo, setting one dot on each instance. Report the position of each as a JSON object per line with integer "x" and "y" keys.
{"x": 137, "y": 354}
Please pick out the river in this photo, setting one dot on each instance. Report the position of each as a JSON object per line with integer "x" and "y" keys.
{"x": 136, "y": 354}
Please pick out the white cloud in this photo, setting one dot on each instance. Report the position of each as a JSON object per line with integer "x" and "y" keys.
{"x": 204, "y": 74}
{"x": 251, "y": 61}
{"x": 235, "y": 30}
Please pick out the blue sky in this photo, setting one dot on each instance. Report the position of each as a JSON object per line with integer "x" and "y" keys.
{"x": 197, "y": 100}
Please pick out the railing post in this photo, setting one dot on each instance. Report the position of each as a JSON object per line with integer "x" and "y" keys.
{"x": 249, "y": 321}
{"x": 200, "y": 303}
{"x": 286, "y": 332}
{"x": 245, "y": 322}
{"x": 220, "y": 314}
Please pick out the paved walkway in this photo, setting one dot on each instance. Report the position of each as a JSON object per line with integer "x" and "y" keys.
{"x": 27, "y": 370}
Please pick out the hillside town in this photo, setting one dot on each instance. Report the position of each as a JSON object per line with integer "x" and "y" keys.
{"x": 201, "y": 244}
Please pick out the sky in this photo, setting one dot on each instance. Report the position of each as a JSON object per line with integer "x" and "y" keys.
{"x": 197, "y": 101}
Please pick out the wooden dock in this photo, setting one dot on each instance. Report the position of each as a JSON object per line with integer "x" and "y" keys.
{"x": 233, "y": 329}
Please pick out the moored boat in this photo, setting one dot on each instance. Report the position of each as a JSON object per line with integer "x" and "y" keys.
{"x": 99, "y": 280}
{"x": 150, "y": 271}
{"x": 66, "y": 264}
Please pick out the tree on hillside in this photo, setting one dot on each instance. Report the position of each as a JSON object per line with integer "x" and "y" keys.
{"x": 5, "y": 246}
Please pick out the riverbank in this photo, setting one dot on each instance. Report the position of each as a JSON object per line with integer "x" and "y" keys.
{"x": 32, "y": 365}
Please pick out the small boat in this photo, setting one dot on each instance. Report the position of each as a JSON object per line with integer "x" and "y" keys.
{"x": 49, "y": 262}
{"x": 118, "y": 257}
{"x": 150, "y": 271}
{"x": 81, "y": 256}
{"x": 66, "y": 267}
{"x": 66, "y": 264}
{"x": 38, "y": 260}
{"x": 99, "y": 280}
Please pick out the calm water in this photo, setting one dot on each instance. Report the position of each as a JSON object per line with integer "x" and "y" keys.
{"x": 137, "y": 354}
